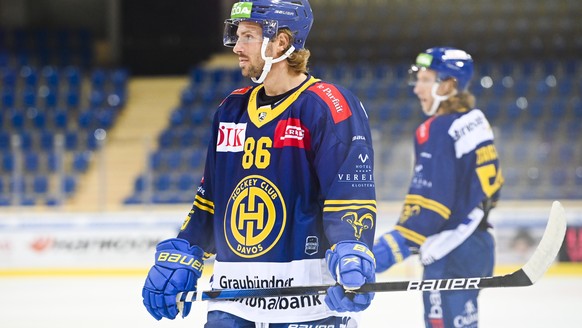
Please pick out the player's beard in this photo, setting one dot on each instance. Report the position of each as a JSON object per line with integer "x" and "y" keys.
{"x": 254, "y": 67}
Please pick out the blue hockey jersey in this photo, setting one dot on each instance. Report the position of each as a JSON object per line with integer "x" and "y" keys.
{"x": 281, "y": 184}
{"x": 456, "y": 168}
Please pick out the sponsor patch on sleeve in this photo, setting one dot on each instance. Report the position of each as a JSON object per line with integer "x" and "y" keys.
{"x": 291, "y": 133}
{"x": 422, "y": 132}
{"x": 340, "y": 110}
{"x": 241, "y": 91}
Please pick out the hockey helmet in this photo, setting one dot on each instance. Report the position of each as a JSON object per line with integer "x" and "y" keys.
{"x": 448, "y": 63}
{"x": 272, "y": 15}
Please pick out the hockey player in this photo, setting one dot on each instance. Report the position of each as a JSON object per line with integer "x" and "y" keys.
{"x": 456, "y": 181}
{"x": 287, "y": 197}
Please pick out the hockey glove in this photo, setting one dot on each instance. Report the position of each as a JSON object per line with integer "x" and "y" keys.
{"x": 351, "y": 264}
{"x": 177, "y": 268}
{"x": 390, "y": 249}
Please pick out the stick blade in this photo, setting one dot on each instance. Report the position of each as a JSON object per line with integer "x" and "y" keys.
{"x": 550, "y": 244}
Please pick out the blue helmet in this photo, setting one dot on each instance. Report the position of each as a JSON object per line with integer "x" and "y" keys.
{"x": 448, "y": 63}
{"x": 272, "y": 15}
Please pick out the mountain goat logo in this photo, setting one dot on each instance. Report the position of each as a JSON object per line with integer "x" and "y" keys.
{"x": 359, "y": 224}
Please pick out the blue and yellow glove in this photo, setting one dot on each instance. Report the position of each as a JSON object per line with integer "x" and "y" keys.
{"x": 177, "y": 268}
{"x": 351, "y": 264}
{"x": 390, "y": 249}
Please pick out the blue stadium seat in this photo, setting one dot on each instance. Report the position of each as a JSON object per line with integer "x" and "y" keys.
{"x": 7, "y": 98}
{"x": 96, "y": 98}
{"x": 71, "y": 140}
{"x": 166, "y": 139}
{"x": 60, "y": 119}
{"x": 29, "y": 97}
{"x": 31, "y": 161}
{"x": 7, "y": 162}
{"x": 17, "y": 119}
{"x": 73, "y": 77}
{"x": 4, "y": 141}
{"x": 578, "y": 176}
{"x": 98, "y": 79}
{"x": 195, "y": 159}
{"x": 173, "y": 160}
{"x": 177, "y": 117}
{"x": 559, "y": 176}
{"x": 69, "y": 184}
{"x": 140, "y": 183}
{"x": 53, "y": 161}
{"x": 566, "y": 153}
{"x": 73, "y": 97}
{"x": 47, "y": 140}
{"x": 162, "y": 182}
{"x": 50, "y": 75}
{"x": 105, "y": 118}
{"x": 38, "y": 119}
{"x": 81, "y": 161}
{"x": 198, "y": 116}
{"x": 26, "y": 140}
{"x": 119, "y": 78}
{"x": 535, "y": 108}
{"x": 156, "y": 160}
{"x": 40, "y": 184}
{"x": 51, "y": 97}
{"x": 186, "y": 182}
{"x": 188, "y": 137}
{"x": 30, "y": 76}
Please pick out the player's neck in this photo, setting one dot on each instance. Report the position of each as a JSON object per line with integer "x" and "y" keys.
{"x": 280, "y": 80}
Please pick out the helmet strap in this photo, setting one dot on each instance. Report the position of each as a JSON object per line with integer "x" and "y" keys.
{"x": 269, "y": 61}
{"x": 437, "y": 99}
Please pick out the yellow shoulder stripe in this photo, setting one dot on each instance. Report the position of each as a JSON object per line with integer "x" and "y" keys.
{"x": 429, "y": 204}
{"x": 413, "y": 236}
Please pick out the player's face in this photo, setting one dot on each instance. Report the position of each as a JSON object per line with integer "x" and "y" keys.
{"x": 248, "y": 48}
{"x": 425, "y": 79}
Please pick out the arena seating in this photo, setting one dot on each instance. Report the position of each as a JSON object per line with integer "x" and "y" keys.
{"x": 534, "y": 108}
{"x": 53, "y": 99}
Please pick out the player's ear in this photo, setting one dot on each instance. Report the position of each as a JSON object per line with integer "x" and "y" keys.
{"x": 448, "y": 86}
{"x": 282, "y": 43}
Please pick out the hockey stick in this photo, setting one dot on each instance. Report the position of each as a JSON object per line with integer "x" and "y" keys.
{"x": 531, "y": 272}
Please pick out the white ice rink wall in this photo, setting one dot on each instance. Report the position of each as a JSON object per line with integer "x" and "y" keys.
{"x": 61, "y": 269}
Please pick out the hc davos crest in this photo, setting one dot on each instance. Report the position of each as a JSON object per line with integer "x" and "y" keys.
{"x": 255, "y": 217}
{"x": 359, "y": 224}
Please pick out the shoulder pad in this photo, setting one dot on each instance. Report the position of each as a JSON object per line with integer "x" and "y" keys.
{"x": 335, "y": 100}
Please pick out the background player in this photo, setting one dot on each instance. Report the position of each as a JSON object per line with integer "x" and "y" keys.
{"x": 287, "y": 197}
{"x": 456, "y": 181}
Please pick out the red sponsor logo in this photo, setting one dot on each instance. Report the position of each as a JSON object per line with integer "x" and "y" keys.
{"x": 436, "y": 323}
{"x": 334, "y": 99}
{"x": 291, "y": 133}
{"x": 231, "y": 137}
{"x": 41, "y": 244}
{"x": 574, "y": 244}
{"x": 241, "y": 91}
{"x": 422, "y": 132}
